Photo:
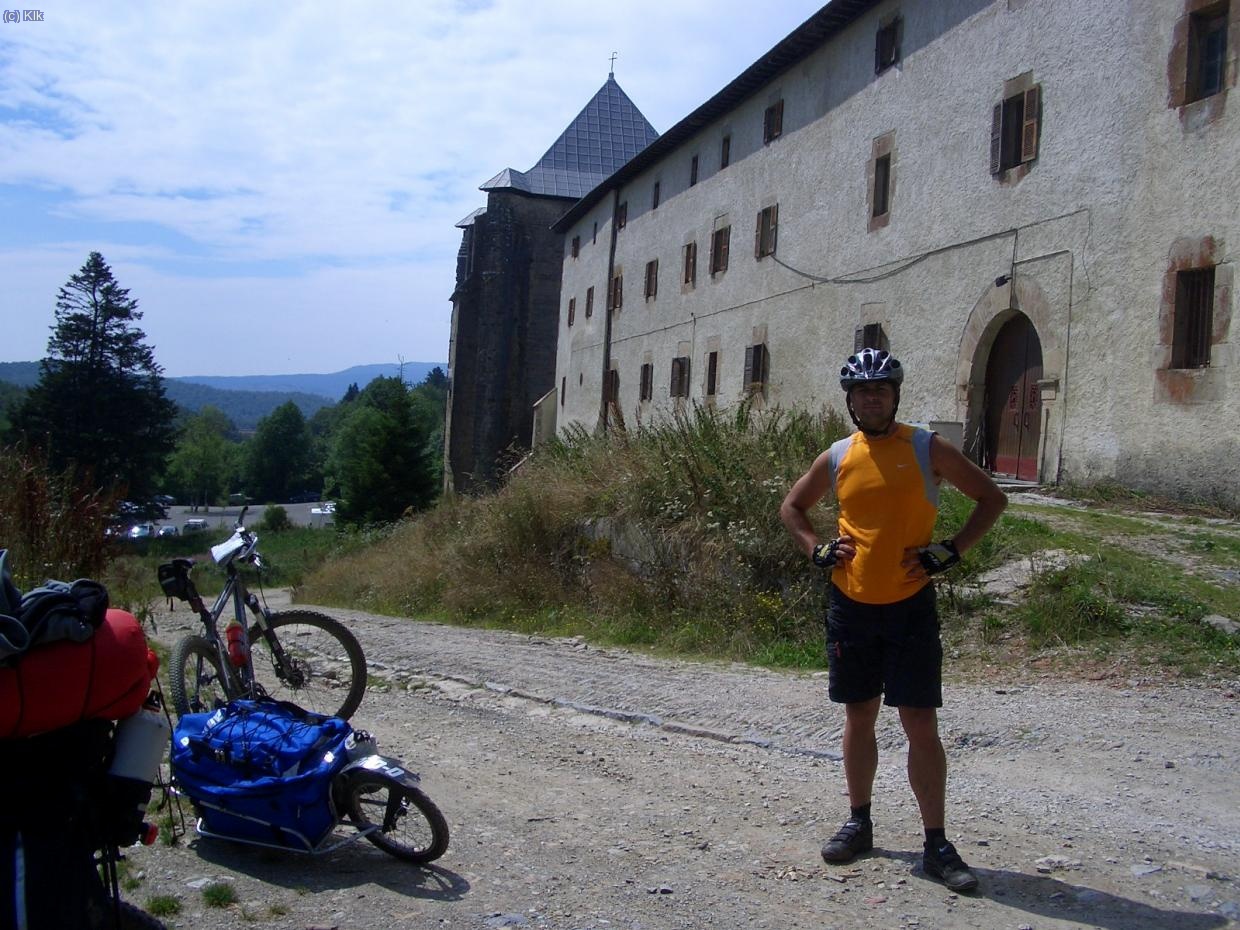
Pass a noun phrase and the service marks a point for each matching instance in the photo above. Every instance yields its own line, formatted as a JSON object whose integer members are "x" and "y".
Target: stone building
{"x": 504, "y": 310}
{"x": 1030, "y": 202}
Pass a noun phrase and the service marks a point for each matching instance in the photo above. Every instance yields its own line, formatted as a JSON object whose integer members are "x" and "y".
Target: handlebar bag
{"x": 261, "y": 771}
{"x": 61, "y": 682}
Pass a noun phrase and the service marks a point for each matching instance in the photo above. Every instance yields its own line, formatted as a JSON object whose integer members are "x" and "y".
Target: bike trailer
{"x": 261, "y": 772}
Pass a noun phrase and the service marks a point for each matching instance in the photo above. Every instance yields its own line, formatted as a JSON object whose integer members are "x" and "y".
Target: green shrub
{"x": 275, "y": 520}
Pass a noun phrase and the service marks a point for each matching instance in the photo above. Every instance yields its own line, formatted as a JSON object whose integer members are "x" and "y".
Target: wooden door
{"x": 1014, "y": 406}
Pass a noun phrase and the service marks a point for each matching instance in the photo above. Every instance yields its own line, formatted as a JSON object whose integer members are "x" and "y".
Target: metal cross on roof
{"x": 612, "y": 70}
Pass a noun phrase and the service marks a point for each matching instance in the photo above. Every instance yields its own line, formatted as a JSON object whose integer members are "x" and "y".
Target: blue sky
{"x": 277, "y": 184}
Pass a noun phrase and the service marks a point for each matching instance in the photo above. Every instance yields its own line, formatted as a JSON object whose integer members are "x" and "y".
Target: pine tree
{"x": 99, "y": 405}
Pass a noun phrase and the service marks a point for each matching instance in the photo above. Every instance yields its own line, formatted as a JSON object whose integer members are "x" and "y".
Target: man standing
{"x": 882, "y": 623}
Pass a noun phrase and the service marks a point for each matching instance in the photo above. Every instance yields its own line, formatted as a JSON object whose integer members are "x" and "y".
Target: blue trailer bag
{"x": 261, "y": 771}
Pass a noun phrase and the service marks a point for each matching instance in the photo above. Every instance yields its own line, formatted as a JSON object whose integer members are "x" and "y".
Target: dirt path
{"x": 592, "y": 788}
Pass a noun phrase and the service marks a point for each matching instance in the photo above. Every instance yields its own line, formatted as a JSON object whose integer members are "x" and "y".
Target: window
{"x": 725, "y": 152}
{"x": 887, "y": 45}
{"x": 1194, "y": 318}
{"x": 652, "y": 279}
{"x": 757, "y": 367}
{"x": 693, "y": 170}
{"x": 615, "y": 299}
{"x": 1014, "y": 130}
{"x": 622, "y": 215}
{"x": 712, "y": 374}
{"x": 870, "y": 336}
{"x": 764, "y": 236}
{"x": 594, "y": 238}
{"x": 589, "y": 302}
{"x": 647, "y": 382}
{"x": 563, "y": 389}
{"x": 1207, "y": 52}
{"x": 690, "y": 274}
{"x": 680, "y": 376}
{"x": 719, "y": 250}
{"x": 882, "y": 185}
{"x": 654, "y": 195}
{"x": 572, "y": 310}
{"x": 576, "y": 246}
{"x": 773, "y": 122}
{"x": 612, "y": 386}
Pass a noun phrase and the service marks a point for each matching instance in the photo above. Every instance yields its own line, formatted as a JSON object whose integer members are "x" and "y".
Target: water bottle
{"x": 140, "y": 743}
{"x": 238, "y": 653}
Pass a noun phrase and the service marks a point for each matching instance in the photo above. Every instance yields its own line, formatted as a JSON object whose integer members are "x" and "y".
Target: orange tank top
{"x": 888, "y": 501}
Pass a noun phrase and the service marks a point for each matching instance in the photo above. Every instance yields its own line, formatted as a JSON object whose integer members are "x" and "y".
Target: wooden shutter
{"x": 725, "y": 235}
{"x": 1033, "y": 120}
{"x": 725, "y": 152}
{"x": 645, "y": 382}
{"x": 749, "y": 359}
{"x": 576, "y": 245}
{"x": 757, "y": 235}
{"x": 563, "y": 389}
{"x": 674, "y": 388}
{"x": 773, "y": 233}
{"x": 996, "y": 139}
{"x": 760, "y": 364}
{"x": 589, "y": 302}
{"x": 572, "y": 310}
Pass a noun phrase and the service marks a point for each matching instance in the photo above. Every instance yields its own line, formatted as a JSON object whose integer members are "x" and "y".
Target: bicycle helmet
{"x": 866, "y": 367}
{"x": 871, "y": 365}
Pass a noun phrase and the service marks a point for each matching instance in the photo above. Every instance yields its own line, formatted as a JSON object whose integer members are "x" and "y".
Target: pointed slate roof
{"x": 605, "y": 135}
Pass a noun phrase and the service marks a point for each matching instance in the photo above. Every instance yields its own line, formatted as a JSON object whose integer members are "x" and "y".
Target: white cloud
{"x": 311, "y": 132}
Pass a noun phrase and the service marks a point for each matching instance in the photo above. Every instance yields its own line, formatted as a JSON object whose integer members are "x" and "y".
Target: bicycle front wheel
{"x": 406, "y": 823}
{"x": 195, "y": 680}
{"x": 324, "y": 672}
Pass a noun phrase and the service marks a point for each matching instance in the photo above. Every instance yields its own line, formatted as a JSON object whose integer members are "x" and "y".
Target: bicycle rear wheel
{"x": 194, "y": 676}
{"x": 326, "y": 672}
{"x": 407, "y": 823}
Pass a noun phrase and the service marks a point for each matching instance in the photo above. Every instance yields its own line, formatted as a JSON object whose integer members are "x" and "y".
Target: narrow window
{"x": 647, "y": 383}
{"x": 887, "y": 46}
{"x": 690, "y": 275}
{"x": 594, "y": 238}
{"x": 757, "y": 365}
{"x": 764, "y": 236}
{"x": 712, "y": 374}
{"x": 613, "y": 386}
{"x": 622, "y": 215}
{"x": 576, "y": 246}
{"x": 654, "y": 195}
{"x": 882, "y": 185}
{"x": 1015, "y": 130}
{"x": 652, "y": 279}
{"x": 725, "y": 152}
{"x": 572, "y": 310}
{"x": 680, "y": 376}
{"x": 589, "y": 302}
{"x": 693, "y": 170}
{"x": 616, "y": 297}
{"x": 870, "y": 336}
{"x": 563, "y": 389}
{"x": 1207, "y": 51}
{"x": 773, "y": 122}
{"x": 719, "y": 250}
{"x": 1194, "y": 318}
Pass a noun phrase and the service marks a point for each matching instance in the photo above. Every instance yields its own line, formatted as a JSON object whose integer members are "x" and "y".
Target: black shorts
{"x": 888, "y": 649}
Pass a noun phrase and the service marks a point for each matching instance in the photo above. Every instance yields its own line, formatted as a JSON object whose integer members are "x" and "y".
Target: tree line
{"x": 100, "y": 413}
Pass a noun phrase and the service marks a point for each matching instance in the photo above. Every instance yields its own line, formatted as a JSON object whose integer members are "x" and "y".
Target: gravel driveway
{"x": 596, "y": 788}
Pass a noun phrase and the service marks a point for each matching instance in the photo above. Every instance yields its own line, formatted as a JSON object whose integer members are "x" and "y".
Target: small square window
{"x": 652, "y": 279}
{"x": 693, "y": 170}
{"x": 887, "y": 45}
{"x": 690, "y": 270}
{"x": 680, "y": 376}
{"x": 725, "y": 152}
{"x": 654, "y": 195}
{"x": 882, "y": 185}
{"x": 589, "y": 302}
{"x": 1015, "y": 130}
{"x": 764, "y": 237}
{"x": 1207, "y": 52}
{"x": 576, "y": 250}
{"x": 622, "y": 215}
{"x": 773, "y": 122}
{"x": 719, "y": 250}
{"x": 1194, "y": 318}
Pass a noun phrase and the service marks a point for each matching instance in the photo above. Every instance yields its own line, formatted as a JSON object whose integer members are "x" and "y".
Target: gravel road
{"x": 594, "y": 788}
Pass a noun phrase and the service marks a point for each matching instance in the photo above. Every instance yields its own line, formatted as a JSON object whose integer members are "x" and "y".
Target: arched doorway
{"x": 1013, "y": 403}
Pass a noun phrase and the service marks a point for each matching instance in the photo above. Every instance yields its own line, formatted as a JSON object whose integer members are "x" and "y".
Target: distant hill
{"x": 247, "y": 399}
{"x": 331, "y": 386}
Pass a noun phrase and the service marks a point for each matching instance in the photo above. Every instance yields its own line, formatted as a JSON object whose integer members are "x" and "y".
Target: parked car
{"x": 167, "y": 530}
{"x": 194, "y": 525}
{"x": 165, "y": 500}
{"x": 142, "y": 531}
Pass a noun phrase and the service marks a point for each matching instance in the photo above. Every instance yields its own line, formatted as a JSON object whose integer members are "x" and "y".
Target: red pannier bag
{"x": 106, "y": 677}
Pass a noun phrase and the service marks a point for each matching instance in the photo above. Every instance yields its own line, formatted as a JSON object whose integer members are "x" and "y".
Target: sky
{"x": 278, "y": 184}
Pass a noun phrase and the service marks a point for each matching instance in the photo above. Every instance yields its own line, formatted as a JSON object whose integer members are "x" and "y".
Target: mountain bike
{"x": 301, "y": 656}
